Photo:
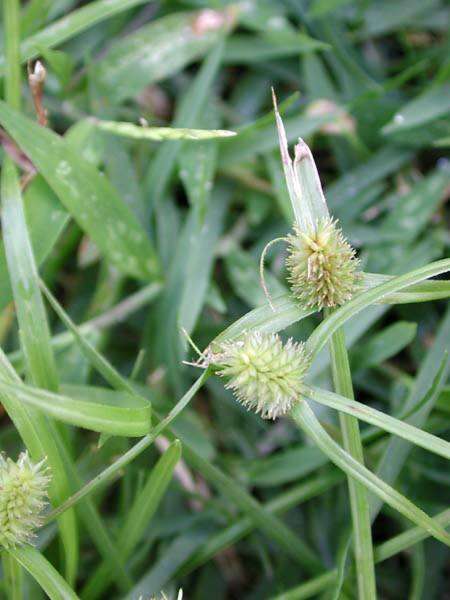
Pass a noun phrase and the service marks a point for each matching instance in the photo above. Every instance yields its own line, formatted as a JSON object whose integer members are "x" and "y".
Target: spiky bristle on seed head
{"x": 265, "y": 375}
{"x": 322, "y": 266}
{"x": 23, "y": 495}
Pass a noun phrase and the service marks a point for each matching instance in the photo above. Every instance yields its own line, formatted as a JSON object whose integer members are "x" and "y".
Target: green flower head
{"x": 322, "y": 266}
{"x": 265, "y": 375}
{"x": 23, "y": 495}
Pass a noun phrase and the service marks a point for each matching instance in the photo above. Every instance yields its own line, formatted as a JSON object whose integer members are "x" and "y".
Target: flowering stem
{"x": 360, "y": 509}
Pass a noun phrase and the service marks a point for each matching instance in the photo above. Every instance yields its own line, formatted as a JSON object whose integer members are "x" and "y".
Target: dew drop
{"x": 63, "y": 169}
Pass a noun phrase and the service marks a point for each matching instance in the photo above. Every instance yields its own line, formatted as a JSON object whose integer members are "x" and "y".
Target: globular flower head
{"x": 322, "y": 266}
{"x": 265, "y": 375}
{"x": 23, "y": 494}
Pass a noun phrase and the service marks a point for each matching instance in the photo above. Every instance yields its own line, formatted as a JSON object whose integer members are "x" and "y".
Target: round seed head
{"x": 323, "y": 268}
{"x": 265, "y": 375}
{"x": 23, "y": 494}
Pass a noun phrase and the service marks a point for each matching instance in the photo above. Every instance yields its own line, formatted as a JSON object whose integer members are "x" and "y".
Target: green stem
{"x": 385, "y": 422}
{"x": 13, "y": 575}
{"x": 360, "y": 509}
{"x": 11, "y": 20}
{"x": 321, "y": 334}
{"x": 307, "y": 421}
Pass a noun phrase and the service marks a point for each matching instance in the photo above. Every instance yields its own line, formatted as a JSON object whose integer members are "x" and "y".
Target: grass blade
{"x": 159, "y": 134}
{"x": 360, "y": 507}
{"x": 71, "y": 25}
{"x": 45, "y": 574}
{"x": 35, "y": 342}
{"x": 12, "y": 576}
{"x": 34, "y": 330}
{"x": 305, "y": 418}
{"x": 149, "y": 54}
{"x": 370, "y": 415}
{"x": 94, "y": 409}
{"x": 87, "y": 195}
{"x": 326, "y": 329}
{"x": 138, "y": 518}
{"x": 116, "y": 468}
{"x": 268, "y": 523}
{"x": 110, "y": 374}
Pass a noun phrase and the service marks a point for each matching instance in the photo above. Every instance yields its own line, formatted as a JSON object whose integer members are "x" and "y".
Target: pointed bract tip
{"x": 302, "y": 150}
{"x": 274, "y": 100}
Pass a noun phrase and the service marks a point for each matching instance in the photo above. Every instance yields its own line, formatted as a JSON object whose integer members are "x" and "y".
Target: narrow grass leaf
{"x": 111, "y": 375}
{"x": 305, "y": 418}
{"x": 359, "y": 504}
{"x": 430, "y": 381}
{"x": 88, "y": 196}
{"x": 325, "y": 330}
{"x": 187, "y": 114}
{"x": 159, "y": 134}
{"x": 43, "y": 572}
{"x": 71, "y": 25}
{"x": 436, "y": 289}
{"x": 431, "y": 105}
{"x": 266, "y": 522}
{"x": 187, "y": 283}
{"x": 39, "y": 203}
{"x": 243, "y": 49}
{"x": 375, "y": 417}
{"x": 34, "y": 330}
{"x": 158, "y": 50}
{"x": 138, "y": 517}
{"x": 35, "y": 343}
{"x": 106, "y": 412}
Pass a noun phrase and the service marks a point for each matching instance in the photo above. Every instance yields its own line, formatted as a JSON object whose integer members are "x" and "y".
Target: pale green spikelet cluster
{"x": 23, "y": 495}
{"x": 323, "y": 269}
{"x": 265, "y": 375}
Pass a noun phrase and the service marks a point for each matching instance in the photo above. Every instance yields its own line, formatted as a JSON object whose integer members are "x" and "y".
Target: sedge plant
{"x": 137, "y": 481}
